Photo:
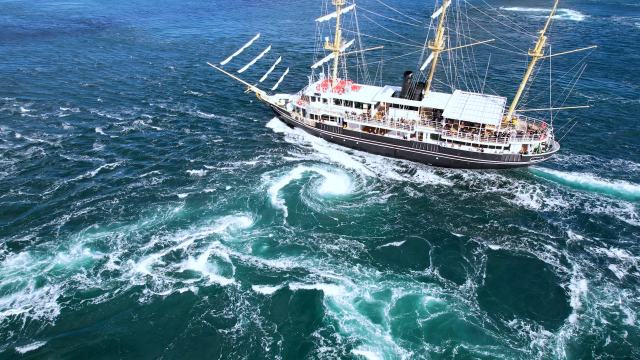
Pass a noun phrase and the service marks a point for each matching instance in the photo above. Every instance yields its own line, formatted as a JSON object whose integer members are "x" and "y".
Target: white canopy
{"x": 474, "y": 107}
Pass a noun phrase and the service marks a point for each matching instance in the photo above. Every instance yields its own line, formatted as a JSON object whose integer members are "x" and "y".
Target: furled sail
{"x": 255, "y": 60}
{"x": 427, "y": 62}
{"x": 243, "y": 48}
{"x": 332, "y": 55}
{"x": 264, "y": 77}
{"x": 346, "y": 46}
{"x": 335, "y": 14}
{"x": 280, "y": 80}
{"x": 440, "y": 10}
{"x": 324, "y": 60}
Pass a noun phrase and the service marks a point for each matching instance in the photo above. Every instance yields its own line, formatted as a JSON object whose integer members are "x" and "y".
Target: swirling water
{"x": 151, "y": 209}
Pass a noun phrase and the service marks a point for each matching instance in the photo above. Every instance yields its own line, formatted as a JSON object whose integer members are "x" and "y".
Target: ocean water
{"x": 151, "y": 209}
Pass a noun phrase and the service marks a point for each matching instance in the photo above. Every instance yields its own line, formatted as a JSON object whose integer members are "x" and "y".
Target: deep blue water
{"x": 151, "y": 209}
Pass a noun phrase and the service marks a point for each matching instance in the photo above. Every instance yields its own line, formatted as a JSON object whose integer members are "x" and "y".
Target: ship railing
{"x": 504, "y": 138}
{"x": 467, "y": 137}
{"x": 383, "y": 122}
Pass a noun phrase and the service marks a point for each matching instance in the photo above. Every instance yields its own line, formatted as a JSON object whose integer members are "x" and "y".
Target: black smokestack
{"x": 406, "y": 84}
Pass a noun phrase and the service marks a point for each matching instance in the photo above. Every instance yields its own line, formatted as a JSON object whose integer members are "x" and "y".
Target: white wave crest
{"x": 367, "y": 354}
{"x": 396, "y": 244}
{"x": 202, "y": 265}
{"x": 590, "y": 182}
{"x": 327, "y": 289}
{"x": 197, "y": 173}
{"x": 30, "y": 347}
{"x": 265, "y": 289}
{"x": 561, "y": 14}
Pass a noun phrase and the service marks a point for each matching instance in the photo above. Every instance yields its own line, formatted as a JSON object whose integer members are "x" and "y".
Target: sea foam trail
{"x": 561, "y": 14}
{"x": 589, "y": 182}
{"x": 365, "y": 164}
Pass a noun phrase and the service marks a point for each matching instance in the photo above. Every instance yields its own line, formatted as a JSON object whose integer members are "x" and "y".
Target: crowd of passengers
{"x": 459, "y": 128}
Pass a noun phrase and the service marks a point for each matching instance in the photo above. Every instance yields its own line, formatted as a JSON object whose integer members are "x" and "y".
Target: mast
{"x": 437, "y": 45}
{"x": 337, "y": 42}
{"x": 536, "y": 53}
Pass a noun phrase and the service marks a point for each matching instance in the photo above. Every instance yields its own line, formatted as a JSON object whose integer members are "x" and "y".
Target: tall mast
{"x": 536, "y": 53}
{"x": 437, "y": 45}
{"x": 337, "y": 41}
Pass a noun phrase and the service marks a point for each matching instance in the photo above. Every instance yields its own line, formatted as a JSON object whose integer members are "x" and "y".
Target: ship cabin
{"x": 462, "y": 120}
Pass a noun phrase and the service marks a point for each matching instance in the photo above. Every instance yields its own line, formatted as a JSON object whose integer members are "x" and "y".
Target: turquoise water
{"x": 151, "y": 209}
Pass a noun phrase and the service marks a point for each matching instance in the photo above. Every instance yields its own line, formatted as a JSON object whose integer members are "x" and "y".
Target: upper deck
{"x": 461, "y": 105}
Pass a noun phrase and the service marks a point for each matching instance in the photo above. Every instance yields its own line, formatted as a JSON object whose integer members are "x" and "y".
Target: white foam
{"x": 578, "y": 288}
{"x": 369, "y": 355}
{"x": 195, "y": 93}
{"x": 197, "y": 173}
{"x": 332, "y": 290}
{"x": 201, "y": 264}
{"x": 616, "y": 271}
{"x": 396, "y": 244}
{"x": 322, "y": 148}
{"x": 364, "y": 164}
{"x": 561, "y": 14}
{"x": 30, "y": 347}
{"x": 265, "y": 289}
{"x": 99, "y": 130}
{"x": 109, "y": 166}
{"x": 187, "y": 238}
{"x": 429, "y": 177}
{"x": 630, "y": 316}
{"x": 233, "y": 223}
{"x": 205, "y": 115}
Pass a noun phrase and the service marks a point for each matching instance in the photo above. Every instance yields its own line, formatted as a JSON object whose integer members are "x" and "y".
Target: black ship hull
{"x": 431, "y": 154}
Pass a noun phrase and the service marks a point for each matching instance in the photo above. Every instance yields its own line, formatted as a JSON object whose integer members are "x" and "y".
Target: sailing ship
{"x": 457, "y": 129}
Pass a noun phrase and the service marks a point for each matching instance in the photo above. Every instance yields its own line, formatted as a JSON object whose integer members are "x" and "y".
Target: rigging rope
{"x": 419, "y": 25}
{"x": 399, "y": 12}
{"x": 391, "y": 31}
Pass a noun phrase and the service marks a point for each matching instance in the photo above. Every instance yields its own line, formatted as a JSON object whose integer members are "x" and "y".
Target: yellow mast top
{"x": 437, "y": 45}
{"x": 337, "y": 42}
{"x": 536, "y": 53}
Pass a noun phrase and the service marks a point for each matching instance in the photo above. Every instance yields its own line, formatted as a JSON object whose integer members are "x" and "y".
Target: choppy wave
{"x": 561, "y": 14}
